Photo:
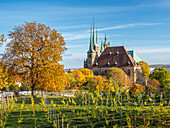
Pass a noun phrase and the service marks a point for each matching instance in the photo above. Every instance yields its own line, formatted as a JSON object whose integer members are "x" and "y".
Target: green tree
{"x": 35, "y": 51}
{"x": 145, "y": 68}
{"x": 163, "y": 76}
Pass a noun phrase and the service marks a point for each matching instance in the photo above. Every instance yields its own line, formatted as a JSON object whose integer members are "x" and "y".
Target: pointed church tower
{"x": 102, "y": 47}
{"x": 91, "y": 54}
{"x": 105, "y": 42}
{"x": 95, "y": 40}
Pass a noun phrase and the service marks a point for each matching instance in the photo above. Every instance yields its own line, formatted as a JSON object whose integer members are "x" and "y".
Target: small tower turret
{"x": 105, "y": 42}
{"x": 102, "y": 47}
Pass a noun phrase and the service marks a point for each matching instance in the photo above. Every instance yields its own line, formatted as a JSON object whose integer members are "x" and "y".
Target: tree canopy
{"x": 87, "y": 73}
{"x": 79, "y": 77}
{"x": 35, "y": 51}
{"x": 2, "y": 74}
{"x": 119, "y": 76}
{"x": 145, "y": 68}
{"x": 163, "y": 76}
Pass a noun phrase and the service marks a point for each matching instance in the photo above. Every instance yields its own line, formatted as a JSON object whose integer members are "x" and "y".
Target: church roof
{"x": 135, "y": 56}
{"x": 116, "y": 56}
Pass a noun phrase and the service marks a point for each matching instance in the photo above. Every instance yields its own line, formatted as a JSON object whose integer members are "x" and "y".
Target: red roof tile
{"x": 113, "y": 55}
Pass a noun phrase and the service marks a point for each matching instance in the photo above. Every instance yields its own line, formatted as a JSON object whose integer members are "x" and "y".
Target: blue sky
{"x": 142, "y": 25}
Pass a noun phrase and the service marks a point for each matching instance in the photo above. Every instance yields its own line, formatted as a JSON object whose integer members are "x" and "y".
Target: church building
{"x": 107, "y": 57}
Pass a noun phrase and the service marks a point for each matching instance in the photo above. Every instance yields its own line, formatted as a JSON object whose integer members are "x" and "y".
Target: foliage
{"x": 34, "y": 52}
{"x": 88, "y": 110}
{"x": 163, "y": 76}
{"x": 71, "y": 81}
{"x": 7, "y": 77}
{"x": 87, "y": 72}
{"x": 2, "y": 39}
{"x": 154, "y": 86}
{"x": 79, "y": 77}
{"x": 119, "y": 76}
{"x": 99, "y": 81}
{"x": 54, "y": 78}
{"x": 136, "y": 88}
{"x": 13, "y": 87}
{"x": 145, "y": 68}
{"x": 2, "y": 74}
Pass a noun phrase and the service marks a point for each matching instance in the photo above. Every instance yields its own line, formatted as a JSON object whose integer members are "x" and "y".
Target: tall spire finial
{"x": 91, "y": 42}
{"x": 96, "y": 38}
{"x": 102, "y": 47}
{"x": 105, "y": 40}
{"x": 105, "y": 37}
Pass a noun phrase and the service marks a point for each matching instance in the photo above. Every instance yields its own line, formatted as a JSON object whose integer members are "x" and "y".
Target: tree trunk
{"x": 33, "y": 91}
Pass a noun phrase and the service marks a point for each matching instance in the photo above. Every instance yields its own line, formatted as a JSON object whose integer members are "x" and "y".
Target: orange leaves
{"x": 79, "y": 77}
{"x": 36, "y": 50}
{"x": 2, "y": 39}
{"x": 154, "y": 86}
{"x": 119, "y": 76}
{"x": 99, "y": 81}
{"x": 136, "y": 88}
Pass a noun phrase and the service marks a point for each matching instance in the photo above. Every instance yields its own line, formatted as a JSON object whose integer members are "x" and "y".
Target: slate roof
{"x": 115, "y": 57}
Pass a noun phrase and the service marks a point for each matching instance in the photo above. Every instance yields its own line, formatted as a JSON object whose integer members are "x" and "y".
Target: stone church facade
{"x": 107, "y": 57}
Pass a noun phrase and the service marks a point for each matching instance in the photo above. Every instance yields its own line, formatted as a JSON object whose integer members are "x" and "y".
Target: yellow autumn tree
{"x": 118, "y": 76}
{"x": 136, "y": 88}
{"x": 79, "y": 77}
{"x": 71, "y": 82}
{"x": 2, "y": 75}
{"x": 35, "y": 51}
{"x": 99, "y": 81}
{"x": 2, "y": 65}
{"x": 87, "y": 73}
{"x": 145, "y": 68}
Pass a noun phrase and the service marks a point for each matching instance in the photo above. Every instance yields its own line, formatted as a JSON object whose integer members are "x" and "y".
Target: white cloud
{"x": 153, "y": 50}
{"x": 127, "y": 26}
{"x": 85, "y": 34}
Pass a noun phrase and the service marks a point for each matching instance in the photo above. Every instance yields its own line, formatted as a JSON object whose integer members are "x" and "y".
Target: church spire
{"x": 96, "y": 38}
{"x": 105, "y": 40}
{"x": 102, "y": 47}
{"x": 91, "y": 42}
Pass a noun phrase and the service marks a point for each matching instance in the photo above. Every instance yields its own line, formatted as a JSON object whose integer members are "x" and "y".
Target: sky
{"x": 141, "y": 25}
